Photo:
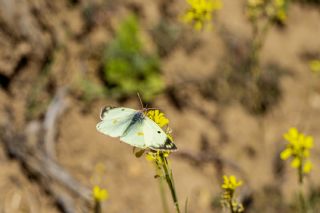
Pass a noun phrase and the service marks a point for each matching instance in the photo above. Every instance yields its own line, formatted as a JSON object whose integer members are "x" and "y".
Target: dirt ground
{"x": 47, "y": 45}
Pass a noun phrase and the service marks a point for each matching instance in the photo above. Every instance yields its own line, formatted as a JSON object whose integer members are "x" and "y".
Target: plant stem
{"x": 231, "y": 207}
{"x": 302, "y": 201}
{"x": 162, "y": 191}
{"x": 170, "y": 182}
{"x": 97, "y": 206}
{"x": 230, "y": 201}
{"x": 300, "y": 175}
{"x": 259, "y": 35}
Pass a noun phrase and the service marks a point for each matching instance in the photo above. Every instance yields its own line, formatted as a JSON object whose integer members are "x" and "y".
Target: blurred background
{"x": 231, "y": 85}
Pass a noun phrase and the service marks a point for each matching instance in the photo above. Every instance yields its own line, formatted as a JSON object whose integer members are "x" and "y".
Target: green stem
{"x": 300, "y": 175}
{"x": 97, "y": 207}
{"x": 230, "y": 201}
{"x": 162, "y": 191}
{"x": 259, "y": 35}
{"x": 231, "y": 207}
{"x": 170, "y": 182}
{"x": 302, "y": 201}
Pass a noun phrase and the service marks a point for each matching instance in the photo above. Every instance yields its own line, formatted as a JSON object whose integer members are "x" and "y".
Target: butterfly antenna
{"x": 140, "y": 100}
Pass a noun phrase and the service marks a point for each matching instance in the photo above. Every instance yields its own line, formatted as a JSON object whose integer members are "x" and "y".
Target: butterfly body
{"x": 133, "y": 127}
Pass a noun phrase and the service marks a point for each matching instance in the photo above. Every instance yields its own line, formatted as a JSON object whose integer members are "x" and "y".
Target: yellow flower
{"x": 298, "y": 148}
{"x": 154, "y": 156}
{"x": 150, "y": 156}
{"x": 275, "y": 9}
{"x": 158, "y": 117}
{"x": 200, "y": 12}
{"x": 285, "y": 154}
{"x": 296, "y": 162}
{"x": 230, "y": 184}
{"x": 281, "y": 7}
{"x": 314, "y": 66}
{"x": 99, "y": 194}
{"x": 307, "y": 167}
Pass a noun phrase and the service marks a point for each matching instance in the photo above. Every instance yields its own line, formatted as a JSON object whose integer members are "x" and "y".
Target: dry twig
{"x": 23, "y": 146}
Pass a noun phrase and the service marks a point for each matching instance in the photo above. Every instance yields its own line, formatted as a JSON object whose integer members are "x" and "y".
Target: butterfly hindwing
{"x": 155, "y": 137}
{"x": 115, "y": 121}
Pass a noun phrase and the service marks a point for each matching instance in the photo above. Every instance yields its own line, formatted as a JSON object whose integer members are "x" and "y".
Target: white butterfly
{"x": 134, "y": 128}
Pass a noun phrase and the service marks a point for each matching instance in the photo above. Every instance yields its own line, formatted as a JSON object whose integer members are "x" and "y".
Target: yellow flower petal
{"x": 306, "y": 153}
{"x": 296, "y": 162}
{"x": 99, "y": 194}
{"x": 308, "y": 142}
{"x": 293, "y": 132}
{"x": 158, "y": 117}
{"x": 314, "y": 66}
{"x": 150, "y": 157}
{"x": 285, "y": 154}
{"x": 200, "y": 12}
{"x": 230, "y": 182}
{"x": 307, "y": 167}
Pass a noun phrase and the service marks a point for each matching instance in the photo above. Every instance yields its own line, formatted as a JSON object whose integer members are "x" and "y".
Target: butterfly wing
{"x": 115, "y": 120}
{"x": 134, "y": 135}
{"x": 118, "y": 122}
{"x": 155, "y": 137}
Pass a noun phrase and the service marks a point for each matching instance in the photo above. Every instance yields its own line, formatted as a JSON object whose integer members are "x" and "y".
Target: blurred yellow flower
{"x": 229, "y": 185}
{"x": 155, "y": 156}
{"x": 280, "y": 7}
{"x": 230, "y": 182}
{"x": 307, "y": 166}
{"x": 200, "y": 12}
{"x": 274, "y": 9}
{"x": 99, "y": 194}
{"x": 314, "y": 66}
{"x": 298, "y": 149}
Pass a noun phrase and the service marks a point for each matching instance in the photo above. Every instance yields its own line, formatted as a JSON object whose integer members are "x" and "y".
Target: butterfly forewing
{"x": 115, "y": 121}
{"x": 134, "y": 135}
{"x": 155, "y": 137}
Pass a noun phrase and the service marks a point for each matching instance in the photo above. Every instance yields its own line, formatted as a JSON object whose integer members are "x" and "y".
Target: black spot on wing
{"x": 167, "y": 146}
{"x": 105, "y": 110}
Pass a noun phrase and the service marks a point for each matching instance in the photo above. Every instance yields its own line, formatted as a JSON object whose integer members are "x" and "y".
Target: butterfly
{"x": 134, "y": 128}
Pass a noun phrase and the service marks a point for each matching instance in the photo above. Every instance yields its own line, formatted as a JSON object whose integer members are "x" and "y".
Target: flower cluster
{"x": 158, "y": 117}
{"x": 314, "y": 66}
{"x": 273, "y": 10}
{"x": 200, "y": 12}
{"x": 230, "y": 184}
{"x": 158, "y": 158}
{"x": 298, "y": 148}
{"x": 154, "y": 156}
{"x": 255, "y": 8}
{"x": 279, "y": 10}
